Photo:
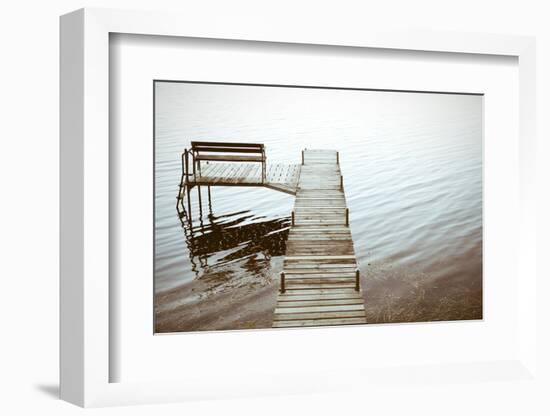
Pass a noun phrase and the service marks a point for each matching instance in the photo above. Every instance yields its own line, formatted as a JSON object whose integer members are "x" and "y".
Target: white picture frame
{"x": 84, "y": 343}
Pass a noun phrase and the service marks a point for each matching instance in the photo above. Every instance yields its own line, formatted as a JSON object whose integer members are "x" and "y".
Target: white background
{"x": 29, "y": 209}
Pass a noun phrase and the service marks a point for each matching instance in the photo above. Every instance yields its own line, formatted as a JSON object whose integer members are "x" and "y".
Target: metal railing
{"x": 185, "y": 172}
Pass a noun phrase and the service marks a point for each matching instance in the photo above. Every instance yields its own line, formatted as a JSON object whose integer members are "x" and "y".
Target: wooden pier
{"x": 213, "y": 164}
{"x": 279, "y": 176}
{"x": 320, "y": 281}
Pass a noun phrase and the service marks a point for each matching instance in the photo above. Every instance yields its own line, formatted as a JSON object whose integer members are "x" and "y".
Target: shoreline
{"x": 222, "y": 301}
{"x": 240, "y": 303}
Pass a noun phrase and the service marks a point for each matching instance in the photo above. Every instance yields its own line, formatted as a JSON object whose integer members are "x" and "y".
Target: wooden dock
{"x": 279, "y": 176}
{"x": 320, "y": 278}
{"x": 320, "y": 281}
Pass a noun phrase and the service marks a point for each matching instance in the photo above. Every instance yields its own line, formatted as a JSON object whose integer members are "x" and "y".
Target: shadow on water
{"x": 233, "y": 257}
{"x": 217, "y": 244}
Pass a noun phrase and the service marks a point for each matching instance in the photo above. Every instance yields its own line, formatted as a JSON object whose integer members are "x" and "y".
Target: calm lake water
{"x": 412, "y": 167}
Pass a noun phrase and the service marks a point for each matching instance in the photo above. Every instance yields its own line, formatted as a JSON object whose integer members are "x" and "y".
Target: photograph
{"x": 283, "y": 206}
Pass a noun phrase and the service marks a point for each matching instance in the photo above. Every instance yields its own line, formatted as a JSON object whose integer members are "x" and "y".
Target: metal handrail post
{"x": 186, "y": 166}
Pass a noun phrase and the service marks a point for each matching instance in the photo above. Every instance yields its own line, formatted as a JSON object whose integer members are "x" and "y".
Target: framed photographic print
{"x": 327, "y": 186}
{"x": 271, "y": 211}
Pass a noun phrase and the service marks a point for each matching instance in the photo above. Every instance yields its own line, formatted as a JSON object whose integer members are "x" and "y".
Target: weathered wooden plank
{"x": 292, "y": 291}
{"x": 320, "y": 278}
{"x": 286, "y": 265}
{"x": 226, "y": 167}
{"x": 308, "y": 278}
{"x": 334, "y": 213}
{"x": 319, "y": 210}
{"x": 344, "y": 242}
{"x": 316, "y": 268}
{"x": 209, "y": 169}
{"x": 318, "y": 297}
{"x": 340, "y": 294}
{"x": 319, "y": 322}
{"x": 304, "y": 266}
{"x": 239, "y": 174}
{"x": 326, "y": 210}
{"x": 327, "y": 308}
{"x": 320, "y": 233}
{"x": 295, "y": 251}
{"x": 314, "y": 282}
{"x": 318, "y": 192}
{"x": 320, "y": 219}
{"x": 319, "y": 315}
{"x": 303, "y": 260}
{"x": 320, "y": 272}
{"x": 320, "y": 204}
{"x": 320, "y": 251}
{"x": 313, "y": 240}
{"x": 307, "y": 199}
{"x": 321, "y": 222}
{"x": 319, "y": 237}
{"x": 340, "y": 239}
{"x": 324, "y": 285}
{"x": 320, "y": 284}
{"x": 303, "y": 233}
{"x": 303, "y": 229}
{"x": 289, "y": 275}
{"x": 296, "y": 258}
{"x": 330, "y": 242}
{"x": 320, "y": 302}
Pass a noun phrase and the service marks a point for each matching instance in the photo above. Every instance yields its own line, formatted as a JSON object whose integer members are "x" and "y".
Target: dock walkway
{"x": 320, "y": 278}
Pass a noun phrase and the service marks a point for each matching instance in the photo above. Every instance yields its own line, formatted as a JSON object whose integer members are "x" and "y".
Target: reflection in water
{"x": 213, "y": 242}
